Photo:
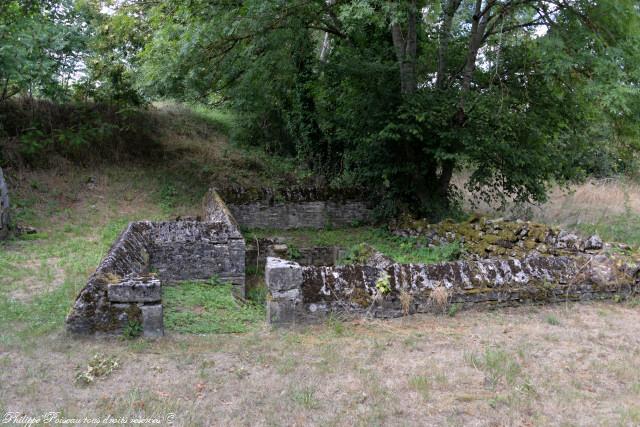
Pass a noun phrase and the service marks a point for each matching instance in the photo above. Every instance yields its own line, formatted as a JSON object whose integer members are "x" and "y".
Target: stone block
{"x": 135, "y": 289}
{"x": 281, "y": 312}
{"x": 281, "y": 275}
{"x": 593, "y": 243}
{"x": 120, "y": 316}
{"x": 152, "y": 324}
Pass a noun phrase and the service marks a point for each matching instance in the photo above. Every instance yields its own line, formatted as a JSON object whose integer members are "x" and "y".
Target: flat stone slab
{"x": 135, "y": 289}
{"x": 152, "y": 324}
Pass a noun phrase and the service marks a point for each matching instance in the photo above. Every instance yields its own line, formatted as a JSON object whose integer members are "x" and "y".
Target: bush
{"x": 33, "y": 132}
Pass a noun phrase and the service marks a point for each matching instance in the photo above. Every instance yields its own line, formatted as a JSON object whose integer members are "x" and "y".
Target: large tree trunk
{"x": 326, "y": 41}
{"x": 449, "y": 9}
{"x": 479, "y": 24}
{"x": 405, "y": 45}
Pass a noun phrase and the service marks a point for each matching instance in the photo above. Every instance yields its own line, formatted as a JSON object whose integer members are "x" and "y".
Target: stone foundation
{"x": 127, "y": 285}
{"x": 300, "y": 294}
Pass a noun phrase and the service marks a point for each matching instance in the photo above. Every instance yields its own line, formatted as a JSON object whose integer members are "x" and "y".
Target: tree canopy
{"x": 393, "y": 96}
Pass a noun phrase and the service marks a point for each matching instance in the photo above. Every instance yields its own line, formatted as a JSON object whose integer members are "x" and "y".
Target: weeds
{"x": 132, "y": 330}
{"x": 439, "y": 298}
{"x": 422, "y": 385}
{"x": 405, "y": 301}
{"x": 209, "y": 307}
{"x": 497, "y": 365}
{"x": 305, "y": 397}
{"x": 336, "y": 325}
{"x": 99, "y": 366}
{"x": 454, "y": 309}
{"x": 552, "y": 320}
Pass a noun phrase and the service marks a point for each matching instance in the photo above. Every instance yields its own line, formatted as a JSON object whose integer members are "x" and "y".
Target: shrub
{"x": 34, "y": 131}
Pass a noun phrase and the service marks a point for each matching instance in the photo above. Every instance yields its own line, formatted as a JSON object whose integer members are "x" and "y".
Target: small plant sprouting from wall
{"x": 382, "y": 284}
{"x": 132, "y": 330}
{"x": 293, "y": 252}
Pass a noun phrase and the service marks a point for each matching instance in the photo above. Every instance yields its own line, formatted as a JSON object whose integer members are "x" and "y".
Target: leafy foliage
{"x": 504, "y": 89}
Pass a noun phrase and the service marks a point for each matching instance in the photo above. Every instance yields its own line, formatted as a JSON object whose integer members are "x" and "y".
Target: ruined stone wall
{"x": 257, "y": 252}
{"x": 4, "y": 207}
{"x": 126, "y": 262}
{"x": 300, "y": 294}
{"x": 127, "y": 285}
{"x": 297, "y": 208}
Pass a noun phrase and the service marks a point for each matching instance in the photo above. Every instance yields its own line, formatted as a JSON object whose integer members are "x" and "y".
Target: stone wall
{"x": 194, "y": 250}
{"x": 301, "y": 294}
{"x": 127, "y": 285}
{"x": 297, "y": 208}
{"x": 4, "y": 208}
{"x": 258, "y": 250}
{"x": 126, "y": 265}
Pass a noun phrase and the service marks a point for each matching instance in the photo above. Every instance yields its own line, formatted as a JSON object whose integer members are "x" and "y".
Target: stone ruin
{"x": 298, "y": 207}
{"x": 508, "y": 263}
{"x": 505, "y": 267}
{"x": 127, "y": 285}
{"x": 4, "y": 208}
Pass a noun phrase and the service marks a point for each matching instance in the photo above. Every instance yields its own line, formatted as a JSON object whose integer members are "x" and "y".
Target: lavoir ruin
{"x": 508, "y": 263}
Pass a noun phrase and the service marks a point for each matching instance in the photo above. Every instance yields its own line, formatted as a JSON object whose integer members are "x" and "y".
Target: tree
{"x": 40, "y": 47}
{"x": 397, "y": 95}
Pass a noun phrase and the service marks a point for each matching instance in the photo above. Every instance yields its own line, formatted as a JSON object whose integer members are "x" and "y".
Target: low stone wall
{"x": 4, "y": 208}
{"x": 194, "y": 250}
{"x": 258, "y": 250}
{"x": 297, "y": 208}
{"x": 300, "y": 294}
{"x": 127, "y": 285}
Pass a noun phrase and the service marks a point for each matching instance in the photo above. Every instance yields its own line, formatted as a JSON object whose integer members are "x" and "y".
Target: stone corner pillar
{"x": 284, "y": 280}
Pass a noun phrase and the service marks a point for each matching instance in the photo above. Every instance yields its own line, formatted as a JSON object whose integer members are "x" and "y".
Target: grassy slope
{"x": 535, "y": 366}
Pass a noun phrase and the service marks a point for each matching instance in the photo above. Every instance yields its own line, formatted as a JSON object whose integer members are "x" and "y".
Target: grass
{"x": 404, "y": 250}
{"x": 552, "y": 320}
{"x": 623, "y": 228}
{"x": 205, "y": 308}
{"x": 305, "y": 397}
{"x": 497, "y": 364}
{"x": 422, "y": 385}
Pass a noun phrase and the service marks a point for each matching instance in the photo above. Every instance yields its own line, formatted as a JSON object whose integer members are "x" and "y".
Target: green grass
{"x": 66, "y": 257}
{"x": 305, "y": 397}
{"x": 497, "y": 365}
{"x": 404, "y": 250}
{"x": 553, "y": 320}
{"x": 208, "y": 307}
{"x": 421, "y": 384}
{"x": 620, "y": 228}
